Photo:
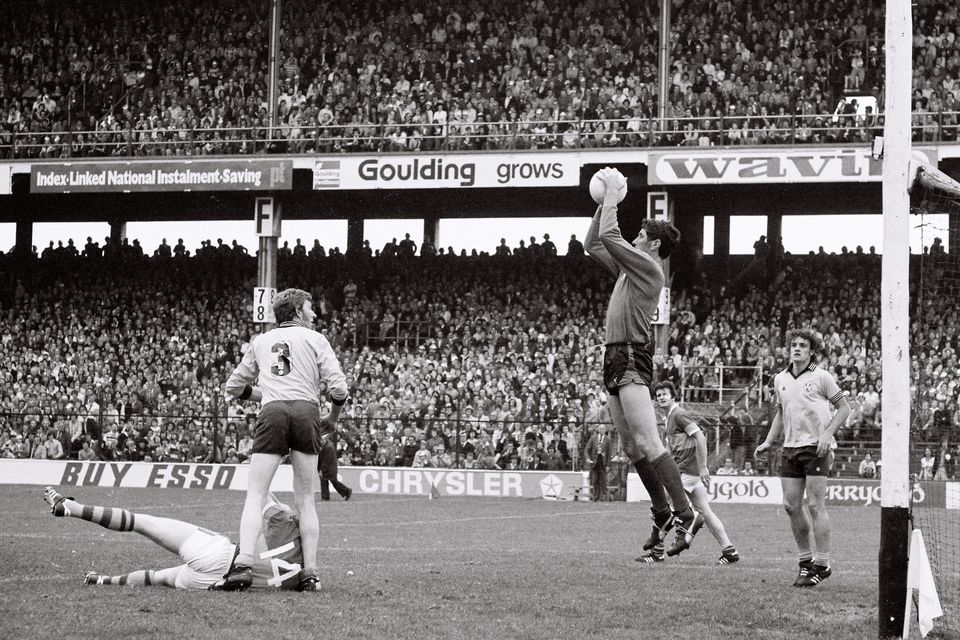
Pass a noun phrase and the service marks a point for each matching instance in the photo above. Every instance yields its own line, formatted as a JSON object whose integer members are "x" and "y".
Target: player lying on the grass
{"x": 688, "y": 445}
{"x": 207, "y": 556}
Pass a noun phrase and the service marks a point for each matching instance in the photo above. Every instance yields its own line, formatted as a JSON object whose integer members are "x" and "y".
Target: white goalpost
{"x": 895, "y": 321}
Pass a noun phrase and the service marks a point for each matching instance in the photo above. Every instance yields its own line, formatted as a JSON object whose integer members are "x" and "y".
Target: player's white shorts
{"x": 207, "y": 556}
{"x": 690, "y": 482}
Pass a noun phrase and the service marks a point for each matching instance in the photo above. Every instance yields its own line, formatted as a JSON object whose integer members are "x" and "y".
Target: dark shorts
{"x": 288, "y": 424}
{"x": 624, "y": 363}
{"x": 800, "y": 462}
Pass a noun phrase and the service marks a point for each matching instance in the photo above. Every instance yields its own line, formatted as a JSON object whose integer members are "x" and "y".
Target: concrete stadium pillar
{"x": 721, "y": 244}
{"x": 774, "y": 226}
{"x": 24, "y": 238}
{"x": 953, "y": 236}
{"x": 118, "y": 231}
{"x": 431, "y": 229}
{"x": 354, "y": 234}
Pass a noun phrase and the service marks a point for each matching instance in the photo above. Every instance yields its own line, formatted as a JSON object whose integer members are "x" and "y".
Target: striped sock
{"x": 133, "y": 579}
{"x": 805, "y": 555}
{"x": 108, "y": 517}
{"x": 822, "y": 560}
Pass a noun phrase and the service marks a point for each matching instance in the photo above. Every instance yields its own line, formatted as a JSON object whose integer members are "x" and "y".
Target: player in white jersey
{"x": 287, "y": 364}
{"x": 206, "y": 555}
{"x": 805, "y": 395}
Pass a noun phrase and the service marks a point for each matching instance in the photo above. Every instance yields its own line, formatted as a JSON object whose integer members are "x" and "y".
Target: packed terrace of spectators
{"x": 80, "y": 78}
{"x": 123, "y": 356}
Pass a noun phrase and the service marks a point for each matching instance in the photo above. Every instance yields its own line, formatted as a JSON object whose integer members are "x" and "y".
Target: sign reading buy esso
{"x": 448, "y": 171}
{"x": 797, "y": 164}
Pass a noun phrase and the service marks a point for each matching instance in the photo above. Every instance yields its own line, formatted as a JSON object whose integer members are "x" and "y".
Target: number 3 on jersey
{"x": 281, "y": 364}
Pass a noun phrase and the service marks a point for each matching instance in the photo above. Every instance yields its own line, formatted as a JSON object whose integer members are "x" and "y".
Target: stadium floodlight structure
{"x": 895, "y": 321}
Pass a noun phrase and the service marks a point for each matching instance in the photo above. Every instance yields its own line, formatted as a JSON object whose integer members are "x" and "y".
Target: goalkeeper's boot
{"x": 309, "y": 581}
{"x": 816, "y": 575}
{"x": 687, "y": 523}
{"x": 806, "y": 566}
{"x": 662, "y": 523}
{"x": 239, "y": 578}
{"x": 55, "y": 500}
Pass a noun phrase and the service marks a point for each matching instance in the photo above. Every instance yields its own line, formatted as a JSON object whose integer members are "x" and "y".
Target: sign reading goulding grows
{"x": 448, "y": 171}
{"x": 184, "y": 175}
{"x": 760, "y": 166}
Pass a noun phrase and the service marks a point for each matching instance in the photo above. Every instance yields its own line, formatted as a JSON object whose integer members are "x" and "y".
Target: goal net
{"x": 935, "y": 373}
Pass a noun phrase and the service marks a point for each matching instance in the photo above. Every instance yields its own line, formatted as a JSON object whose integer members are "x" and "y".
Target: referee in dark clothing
{"x": 327, "y": 466}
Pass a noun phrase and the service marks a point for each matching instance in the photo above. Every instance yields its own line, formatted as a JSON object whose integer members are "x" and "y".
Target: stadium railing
{"x": 635, "y": 132}
{"x": 720, "y": 383}
{"x": 406, "y": 333}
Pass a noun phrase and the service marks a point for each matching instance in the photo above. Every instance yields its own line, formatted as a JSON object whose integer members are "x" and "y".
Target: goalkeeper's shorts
{"x": 625, "y": 363}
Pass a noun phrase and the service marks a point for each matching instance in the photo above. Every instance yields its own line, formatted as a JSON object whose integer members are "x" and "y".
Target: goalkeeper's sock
{"x": 651, "y": 482}
{"x": 108, "y": 517}
{"x": 669, "y": 475}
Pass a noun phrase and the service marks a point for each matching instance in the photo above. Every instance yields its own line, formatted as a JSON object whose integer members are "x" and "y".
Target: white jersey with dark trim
{"x": 290, "y": 361}
{"x": 805, "y": 401}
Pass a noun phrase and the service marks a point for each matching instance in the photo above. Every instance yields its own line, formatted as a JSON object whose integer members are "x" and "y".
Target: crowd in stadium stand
{"x": 190, "y": 78}
{"x": 488, "y": 364}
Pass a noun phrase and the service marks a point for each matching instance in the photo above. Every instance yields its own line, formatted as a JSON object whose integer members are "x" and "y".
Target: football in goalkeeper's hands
{"x": 598, "y": 189}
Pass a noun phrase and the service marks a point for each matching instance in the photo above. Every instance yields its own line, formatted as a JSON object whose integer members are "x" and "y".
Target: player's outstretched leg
{"x": 701, "y": 502}
{"x": 142, "y": 578}
{"x": 108, "y": 517}
{"x": 169, "y": 534}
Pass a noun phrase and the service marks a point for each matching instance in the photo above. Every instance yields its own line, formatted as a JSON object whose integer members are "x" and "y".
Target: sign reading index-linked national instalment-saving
{"x": 167, "y": 175}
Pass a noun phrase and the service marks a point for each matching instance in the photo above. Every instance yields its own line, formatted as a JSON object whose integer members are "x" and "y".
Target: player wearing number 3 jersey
{"x": 206, "y": 555}
{"x": 283, "y": 370}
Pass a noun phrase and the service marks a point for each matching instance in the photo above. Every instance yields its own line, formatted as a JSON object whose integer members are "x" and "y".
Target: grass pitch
{"x": 448, "y": 568}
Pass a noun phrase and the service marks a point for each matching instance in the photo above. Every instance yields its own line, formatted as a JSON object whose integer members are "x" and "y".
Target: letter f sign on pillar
{"x": 658, "y": 206}
{"x": 268, "y": 224}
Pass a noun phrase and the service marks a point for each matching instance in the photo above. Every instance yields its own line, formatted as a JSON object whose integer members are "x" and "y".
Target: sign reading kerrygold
{"x": 168, "y": 175}
{"x": 759, "y": 166}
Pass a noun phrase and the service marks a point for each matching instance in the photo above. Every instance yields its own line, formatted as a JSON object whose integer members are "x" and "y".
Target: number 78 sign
{"x": 263, "y": 304}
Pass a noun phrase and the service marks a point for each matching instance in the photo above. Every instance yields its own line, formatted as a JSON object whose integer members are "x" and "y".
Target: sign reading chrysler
{"x": 448, "y": 171}
{"x": 759, "y": 166}
{"x": 168, "y": 175}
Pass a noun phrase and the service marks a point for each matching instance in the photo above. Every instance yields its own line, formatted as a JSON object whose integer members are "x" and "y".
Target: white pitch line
{"x": 470, "y": 519}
